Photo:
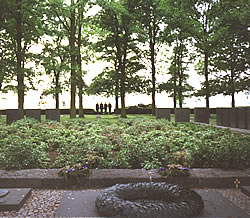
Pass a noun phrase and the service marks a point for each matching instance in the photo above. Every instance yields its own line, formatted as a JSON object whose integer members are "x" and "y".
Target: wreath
{"x": 149, "y": 200}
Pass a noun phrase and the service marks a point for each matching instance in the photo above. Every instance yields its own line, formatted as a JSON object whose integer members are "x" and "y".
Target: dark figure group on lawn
{"x": 103, "y": 108}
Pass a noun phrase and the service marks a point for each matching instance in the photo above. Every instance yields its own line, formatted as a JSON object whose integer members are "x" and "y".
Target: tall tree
{"x": 70, "y": 17}
{"x": 201, "y": 22}
{"x": 118, "y": 24}
{"x": 230, "y": 61}
{"x": 22, "y": 28}
{"x": 150, "y": 17}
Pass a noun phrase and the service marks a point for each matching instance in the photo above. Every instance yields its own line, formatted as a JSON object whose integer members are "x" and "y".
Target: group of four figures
{"x": 103, "y": 108}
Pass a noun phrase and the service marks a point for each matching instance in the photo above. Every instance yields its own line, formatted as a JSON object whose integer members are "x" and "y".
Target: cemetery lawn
{"x": 137, "y": 142}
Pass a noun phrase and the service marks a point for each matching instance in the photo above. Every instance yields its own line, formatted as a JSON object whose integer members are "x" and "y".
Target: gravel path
{"x": 43, "y": 203}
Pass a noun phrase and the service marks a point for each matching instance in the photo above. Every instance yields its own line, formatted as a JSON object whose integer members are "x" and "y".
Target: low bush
{"x": 137, "y": 143}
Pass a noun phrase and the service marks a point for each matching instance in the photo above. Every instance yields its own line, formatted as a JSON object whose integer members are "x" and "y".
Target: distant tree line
{"x": 127, "y": 34}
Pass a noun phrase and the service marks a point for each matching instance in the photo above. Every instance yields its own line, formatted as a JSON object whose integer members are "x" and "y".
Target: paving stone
{"x": 218, "y": 206}
{"x": 245, "y": 190}
{"x": 82, "y": 204}
{"x": 78, "y": 204}
{"x": 15, "y": 199}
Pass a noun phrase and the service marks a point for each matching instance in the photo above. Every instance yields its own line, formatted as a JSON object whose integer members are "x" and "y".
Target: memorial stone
{"x": 248, "y": 117}
{"x": 226, "y": 117}
{"x": 13, "y": 115}
{"x": 242, "y": 117}
{"x": 182, "y": 115}
{"x": 163, "y": 113}
{"x": 52, "y": 114}
{"x": 219, "y": 116}
{"x": 33, "y": 113}
{"x": 201, "y": 115}
{"x": 233, "y": 118}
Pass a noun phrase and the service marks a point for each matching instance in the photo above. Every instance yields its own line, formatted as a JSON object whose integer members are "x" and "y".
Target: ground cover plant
{"x": 127, "y": 143}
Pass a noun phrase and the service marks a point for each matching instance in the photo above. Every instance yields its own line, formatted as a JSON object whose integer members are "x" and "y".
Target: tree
{"x": 231, "y": 59}
{"x": 70, "y": 18}
{"x": 22, "y": 27}
{"x": 118, "y": 25}
{"x": 202, "y": 24}
{"x": 177, "y": 85}
{"x": 55, "y": 61}
{"x": 150, "y": 17}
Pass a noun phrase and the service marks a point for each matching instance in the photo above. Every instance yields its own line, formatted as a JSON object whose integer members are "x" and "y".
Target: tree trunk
{"x": 116, "y": 102}
{"x": 57, "y": 89}
{"x": 206, "y": 79}
{"x": 73, "y": 63}
{"x": 20, "y": 73}
{"x": 79, "y": 63}
{"x": 232, "y": 87}
{"x": 123, "y": 79}
{"x": 152, "y": 58}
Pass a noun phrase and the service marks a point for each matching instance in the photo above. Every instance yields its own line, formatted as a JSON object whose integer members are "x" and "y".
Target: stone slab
{"x": 248, "y": 117}
{"x": 107, "y": 177}
{"x": 15, "y": 199}
{"x": 52, "y": 114}
{"x": 82, "y": 204}
{"x": 182, "y": 115}
{"x": 234, "y": 118}
{"x": 163, "y": 113}
{"x": 226, "y": 117}
{"x": 218, "y": 206}
{"x": 13, "y": 115}
{"x": 245, "y": 190}
{"x": 33, "y": 113}
{"x": 242, "y": 119}
{"x": 219, "y": 116}
{"x": 78, "y": 204}
{"x": 201, "y": 115}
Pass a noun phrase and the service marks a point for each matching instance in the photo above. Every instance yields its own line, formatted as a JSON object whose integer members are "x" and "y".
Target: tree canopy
{"x": 127, "y": 35}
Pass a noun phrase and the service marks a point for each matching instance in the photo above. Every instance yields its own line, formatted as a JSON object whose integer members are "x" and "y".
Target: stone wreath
{"x": 149, "y": 200}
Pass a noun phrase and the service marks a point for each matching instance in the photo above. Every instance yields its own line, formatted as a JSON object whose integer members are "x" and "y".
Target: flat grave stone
{"x": 218, "y": 206}
{"x": 78, "y": 204}
{"x": 33, "y": 113}
{"x": 182, "y": 115}
{"x": 201, "y": 115}
{"x": 163, "y": 113}
{"x": 245, "y": 190}
{"x": 14, "y": 199}
{"x": 52, "y": 114}
{"x": 13, "y": 115}
{"x": 82, "y": 204}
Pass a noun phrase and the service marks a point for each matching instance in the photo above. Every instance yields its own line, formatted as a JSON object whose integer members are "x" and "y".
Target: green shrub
{"x": 137, "y": 143}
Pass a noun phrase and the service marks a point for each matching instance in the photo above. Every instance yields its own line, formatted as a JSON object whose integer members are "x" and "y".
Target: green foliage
{"x": 132, "y": 143}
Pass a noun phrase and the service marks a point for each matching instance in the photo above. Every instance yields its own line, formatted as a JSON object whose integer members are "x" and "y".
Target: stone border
{"x": 101, "y": 178}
